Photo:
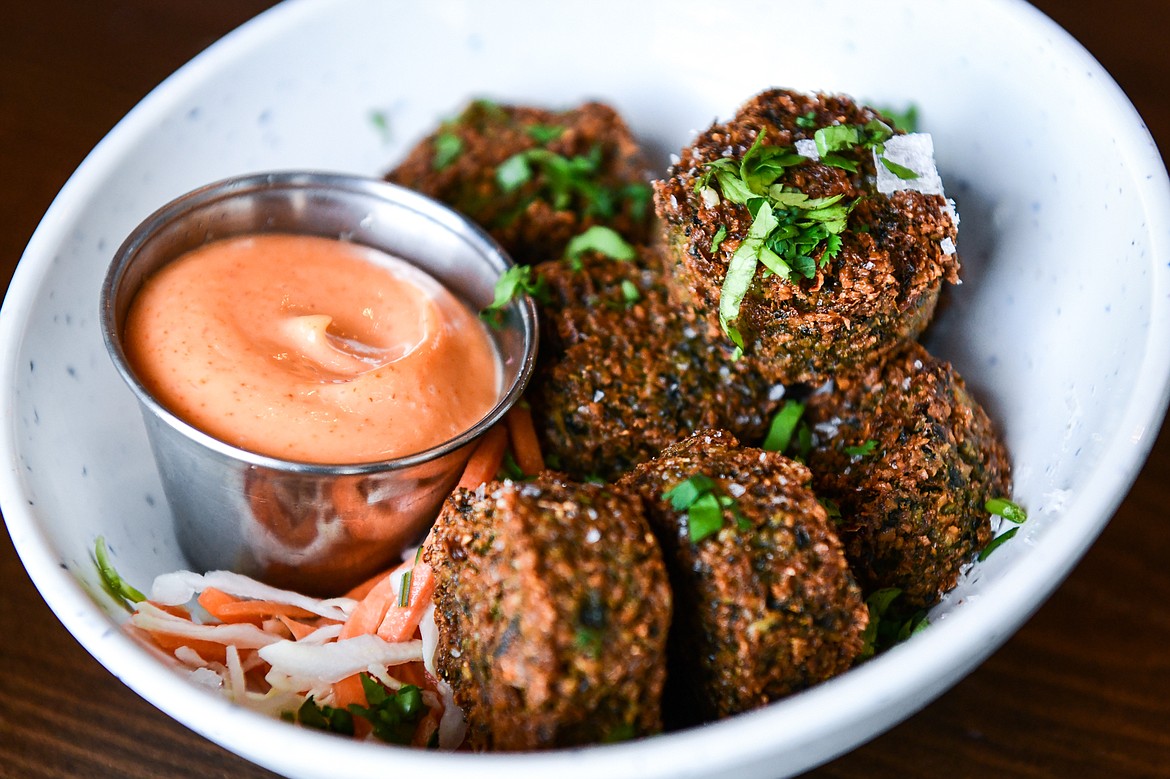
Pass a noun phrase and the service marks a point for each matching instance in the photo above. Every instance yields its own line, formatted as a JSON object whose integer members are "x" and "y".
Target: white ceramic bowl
{"x": 1060, "y": 327}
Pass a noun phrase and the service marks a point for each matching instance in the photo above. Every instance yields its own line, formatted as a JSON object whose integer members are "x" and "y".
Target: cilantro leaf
{"x": 783, "y": 426}
{"x": 515, "y": 281}
{"x": 717, "y": 239}
{"x": 448, "y": 147}
{"x": 862, "y": 450}
{"x": 901, "y": 171}
{"x": 324, "y": 717}
{"x": 603, "y": 240}
{"x": 704, "y": 508}
{"x": 544, "y": 133}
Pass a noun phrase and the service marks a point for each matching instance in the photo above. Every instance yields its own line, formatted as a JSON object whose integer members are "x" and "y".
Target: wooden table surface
{"x": 1083, "y": 690}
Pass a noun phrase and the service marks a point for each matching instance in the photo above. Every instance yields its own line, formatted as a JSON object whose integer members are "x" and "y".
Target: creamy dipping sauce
{"x": 311, "y": 349}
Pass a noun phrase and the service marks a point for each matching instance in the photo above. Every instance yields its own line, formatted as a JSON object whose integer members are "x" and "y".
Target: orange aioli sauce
{"x": 311, "y": 349}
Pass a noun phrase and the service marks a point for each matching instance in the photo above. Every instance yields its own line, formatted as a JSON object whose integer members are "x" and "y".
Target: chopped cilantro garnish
{"x": 630, "y": 293}
{"x": 514, "y": 172}
{"x": 565, "y": 182}
{"x": 783, "y": 427}
{"x": 807, "y": 121}
{"x": 544, "y": 133}
{"x": 381, "y": 122}
{"x": 112, "y": 581}
{"x": 517, "y": 280}
{"x": 448, "y": 147}
{"x": 704, "y": 508}
{"x": 905, "y": 120}
{"x": 717, "y": 239}
{"x": 1012, "y": 512}
{"x": 997, "y": 542}
{"x": 393, "y": 715}
{"x": 322, "y": 717}
{"x": 790, "y": 232}
{"x": 901, "y": 171}
{"x": 704, "y": 516}
{"x": 837, "y": 137}
{"x": 886, "y": 625}
{"x": 600, "y": 239}
{"x": 862, "y": 450}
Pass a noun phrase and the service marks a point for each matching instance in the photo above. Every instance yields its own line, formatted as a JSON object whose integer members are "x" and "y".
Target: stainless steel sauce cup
{"x": 317, "y": 528}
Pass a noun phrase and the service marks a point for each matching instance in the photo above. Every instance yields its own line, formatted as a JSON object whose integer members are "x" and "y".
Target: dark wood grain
{"x": 1083, "y": 690}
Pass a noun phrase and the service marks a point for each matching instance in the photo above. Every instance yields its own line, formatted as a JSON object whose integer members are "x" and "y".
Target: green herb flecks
{"x": 569, "y": 182}
{"x": 448, "y": 146}
{"x": 905, "y": 120}
{"x": 380, "y": 121}
{"x": 807, "y": 121}
{"x": 517, "y": 280}
{"x": 544, "y": 133}
{"x": 601, "y": 239}
{"x": 393, "y": 715}
{"x": 112, "y": 581}
{"x": 790, "y": 232}
{"x": 887, "y": 626}
{"x": 704, "y": 508}
{"x": 782, "y": 432}
{"x": 630, "y": 293}
{"x": 1012, "y": 512}
{"x": 901, "y": 171}
{"x": 322, "y": 717}
{"x": 997, "y": 542}
{"x": 861, "y": 450}
{"x": 717, "y": 239}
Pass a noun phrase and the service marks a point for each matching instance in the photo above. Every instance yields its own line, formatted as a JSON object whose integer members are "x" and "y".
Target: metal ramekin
{"x": 319, "y": 528}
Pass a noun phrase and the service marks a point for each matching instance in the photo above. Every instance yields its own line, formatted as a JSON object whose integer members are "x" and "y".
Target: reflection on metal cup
{"x": 316, "y": 527}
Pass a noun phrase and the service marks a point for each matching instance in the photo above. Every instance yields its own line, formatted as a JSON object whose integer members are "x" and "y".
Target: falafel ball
{"x": 765, "y": 604}
{"x": 552, "y": 605}
{"x": 535, "y": 178}
{"x": 626, "y": 374}
{"x": 834, "y": 272}
{"x": 910, "y": 457}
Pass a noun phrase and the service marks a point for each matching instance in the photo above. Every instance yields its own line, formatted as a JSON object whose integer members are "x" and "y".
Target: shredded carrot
{"x": 210, "y": 651}
{"x": 485, "y": 461}
{"x": 228, "y": 608}
{"x": 297, "y": 629}
{"x": 400, "y": 622}
{"x": 525, "y": 445}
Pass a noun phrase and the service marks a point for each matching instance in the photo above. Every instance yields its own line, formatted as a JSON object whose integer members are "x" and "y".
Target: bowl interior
{"x": 1059, "y": 327}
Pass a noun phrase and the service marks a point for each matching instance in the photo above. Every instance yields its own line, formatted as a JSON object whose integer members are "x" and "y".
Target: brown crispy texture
{"x": 880, "y": 291}
{"x": 765, "y": 607}
{"x": 912, "y": 509}
{"x": 619, "y": 382}
{"x": 553, "y": 608}
{"x": 527, "y": 222}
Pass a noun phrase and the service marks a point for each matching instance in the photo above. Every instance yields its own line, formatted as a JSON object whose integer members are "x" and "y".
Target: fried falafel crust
{"x": 766, "y": 606}
{"x": 553, "y": 607}
{"x": 526, "y": 221}
{"x": 619, "y": 380}
{"x": 912, "y": 508}
{"x": 878, "y": 292}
